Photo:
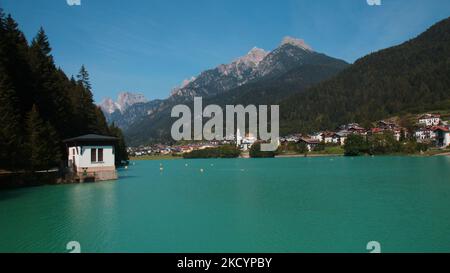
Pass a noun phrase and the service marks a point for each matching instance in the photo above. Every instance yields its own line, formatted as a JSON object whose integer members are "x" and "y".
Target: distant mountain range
{"x": 255, "y": 65}
{"x": 293, "y": 63}
{"x": 314, "y": 91}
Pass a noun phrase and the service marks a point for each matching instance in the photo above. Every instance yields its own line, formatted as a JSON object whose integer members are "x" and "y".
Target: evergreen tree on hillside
{"x": 102, "y": 127}
{"x": 14, "y": 62}
{"x": 11, "y": 135}
{"x": 2, "y": 20}
{"x": 121, "y": 154}
{"x": 39, "y": 105}
{"x": 43, "y": 144}
{"x": 408, "y": 78}
{"x": 83, "y": 78}
{"x": 41, "y": 41}
{"x": 51, "y": 86}
{"x": 13, "y": 32}
{"x": 86, "y": 106}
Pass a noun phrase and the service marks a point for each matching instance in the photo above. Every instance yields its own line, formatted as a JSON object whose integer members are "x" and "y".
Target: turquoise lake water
{"x": 240, "y": 205}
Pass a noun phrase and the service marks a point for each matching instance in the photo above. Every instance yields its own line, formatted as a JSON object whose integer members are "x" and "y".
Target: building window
{"x": 100, "y": 155}
{"x": 93, "y": 155}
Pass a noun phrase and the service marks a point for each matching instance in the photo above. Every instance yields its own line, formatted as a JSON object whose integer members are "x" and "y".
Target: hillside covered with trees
{"x": 39, "y": 105}
{"x": 410, "y": 78}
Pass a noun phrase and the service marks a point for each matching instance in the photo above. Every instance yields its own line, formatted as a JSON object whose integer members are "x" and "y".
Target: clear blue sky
{"x": 150, "y": 46}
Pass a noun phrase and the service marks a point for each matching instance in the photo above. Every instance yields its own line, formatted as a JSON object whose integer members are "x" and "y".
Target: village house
{"x": 292, "y": 138}
{"x": 352, "y": 127}
{"x": 316, "y": 136}
{"x": 327, "y": 137}
{"x": 247, "y": 142}
{"x": 430, "y": 120}
{"x": 185, "y": 149}
{"x": 310, "y": 143}
{"x": 386, "y": 125}
{"x": 442, "y": 136}
{"x": 91, "y": 158}
{"x": 398, "y": 132}
{"x": 340, "y": 137}
{"x": 376, "y": 130}
{"x": 425, "y": 135}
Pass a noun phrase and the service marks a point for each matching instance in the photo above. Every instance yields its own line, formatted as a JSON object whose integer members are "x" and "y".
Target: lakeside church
{"x": 91, "y": 158}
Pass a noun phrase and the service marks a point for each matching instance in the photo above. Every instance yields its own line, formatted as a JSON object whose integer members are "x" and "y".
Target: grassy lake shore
{"x": 433, "y": 152}
{"x": 156, "y": 157}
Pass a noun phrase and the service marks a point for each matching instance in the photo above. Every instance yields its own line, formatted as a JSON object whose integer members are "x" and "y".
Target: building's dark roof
{"x": 91, "y": 138}
{"x": 310, "y": 141}
{"x": 440, "y": 128}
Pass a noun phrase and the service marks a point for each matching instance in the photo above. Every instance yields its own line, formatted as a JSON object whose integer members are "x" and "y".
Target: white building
{"x": 340, "y": 137}
{"x": 239, "y": 138}
{"x": 425, "y": 135}
{"x": 292, "y": 138}
{"x": 310, "y": 143}
{"x": 92, "y": 157}
{"x": 327, "y": 137}
{"x": 317, "y": 136}
{"x": 430, "y": 119}
{"x": 397, "y": 134}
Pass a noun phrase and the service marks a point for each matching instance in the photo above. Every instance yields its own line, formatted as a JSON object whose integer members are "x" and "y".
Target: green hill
{"x": 410, "y": 78}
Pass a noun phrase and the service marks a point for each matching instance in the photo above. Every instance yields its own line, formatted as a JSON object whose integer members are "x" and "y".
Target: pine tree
{"x": 121, "y": 154}
{"x": 12, "y": 30}
{"x": 29, "y": 80}
{"x": 14, "y": 62}
{"x": 11, "y": 135}
{"x": 51, "y": 86}
{"x": 2, "y": 36}
{"x": 83, "y": 78}
{"x": 101, "y": 124}
{"x": 41, "y": 41}
{"x": 43, "y": 144}
{"x": 2, "y": 20}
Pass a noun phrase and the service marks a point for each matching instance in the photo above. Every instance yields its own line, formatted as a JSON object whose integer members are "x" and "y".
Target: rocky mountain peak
{"x": 295, "y": 42}
{"x": 109, "y": 106}
{"x": 178, "y": 89}
{"x": 124, "y": 101}
{"x": 255, "y": 56}
{"x": 127, "y": 99}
